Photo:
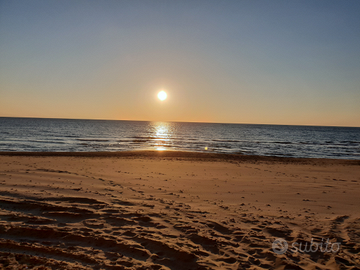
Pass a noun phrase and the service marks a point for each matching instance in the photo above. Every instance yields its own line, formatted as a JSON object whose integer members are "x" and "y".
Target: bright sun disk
{"x": 162, "y": 95}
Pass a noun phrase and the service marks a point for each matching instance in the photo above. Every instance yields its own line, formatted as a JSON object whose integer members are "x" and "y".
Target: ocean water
{"x": 67, "y": 135}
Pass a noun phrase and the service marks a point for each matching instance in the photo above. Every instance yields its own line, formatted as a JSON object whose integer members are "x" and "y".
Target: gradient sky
{"x": 271, "y": 62}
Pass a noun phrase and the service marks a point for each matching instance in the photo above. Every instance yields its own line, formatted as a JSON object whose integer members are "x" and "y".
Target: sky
{"x": 259, "y": 61}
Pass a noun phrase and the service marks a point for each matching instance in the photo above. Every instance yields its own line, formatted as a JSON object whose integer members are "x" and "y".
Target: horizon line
{"x": 227, "y": 123}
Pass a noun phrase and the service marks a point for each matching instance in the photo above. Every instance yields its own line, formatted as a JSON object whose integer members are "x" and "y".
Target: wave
{"x": 217, "y": 140}
{"x": 93, "y": 140}
{"x": 143, "y": 137}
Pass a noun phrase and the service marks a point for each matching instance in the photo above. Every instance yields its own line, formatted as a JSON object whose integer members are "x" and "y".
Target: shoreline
{"x": 184, "y": 154}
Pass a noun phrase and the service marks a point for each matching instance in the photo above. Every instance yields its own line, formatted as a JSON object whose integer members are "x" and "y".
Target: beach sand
{"x": 175, "y": 210}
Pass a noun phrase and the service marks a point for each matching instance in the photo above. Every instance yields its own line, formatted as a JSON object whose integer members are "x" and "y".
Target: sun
{"x": 162, "y": 95}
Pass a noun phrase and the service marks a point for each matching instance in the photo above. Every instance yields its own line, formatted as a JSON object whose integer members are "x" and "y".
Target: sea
{"x": 72, "y": 135}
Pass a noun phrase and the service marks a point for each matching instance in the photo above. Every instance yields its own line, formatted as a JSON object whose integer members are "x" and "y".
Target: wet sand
{"x": 177, "y": 210}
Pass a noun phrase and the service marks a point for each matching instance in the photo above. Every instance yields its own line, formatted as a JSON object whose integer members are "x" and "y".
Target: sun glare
{"x": 162, "y": 95}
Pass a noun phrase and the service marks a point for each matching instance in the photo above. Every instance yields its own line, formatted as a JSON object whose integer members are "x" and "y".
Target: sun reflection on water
{"x": 163, "y": 135}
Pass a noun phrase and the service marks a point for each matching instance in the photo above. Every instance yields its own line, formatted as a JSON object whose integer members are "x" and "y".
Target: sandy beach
{"x": 177, "y": 210}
